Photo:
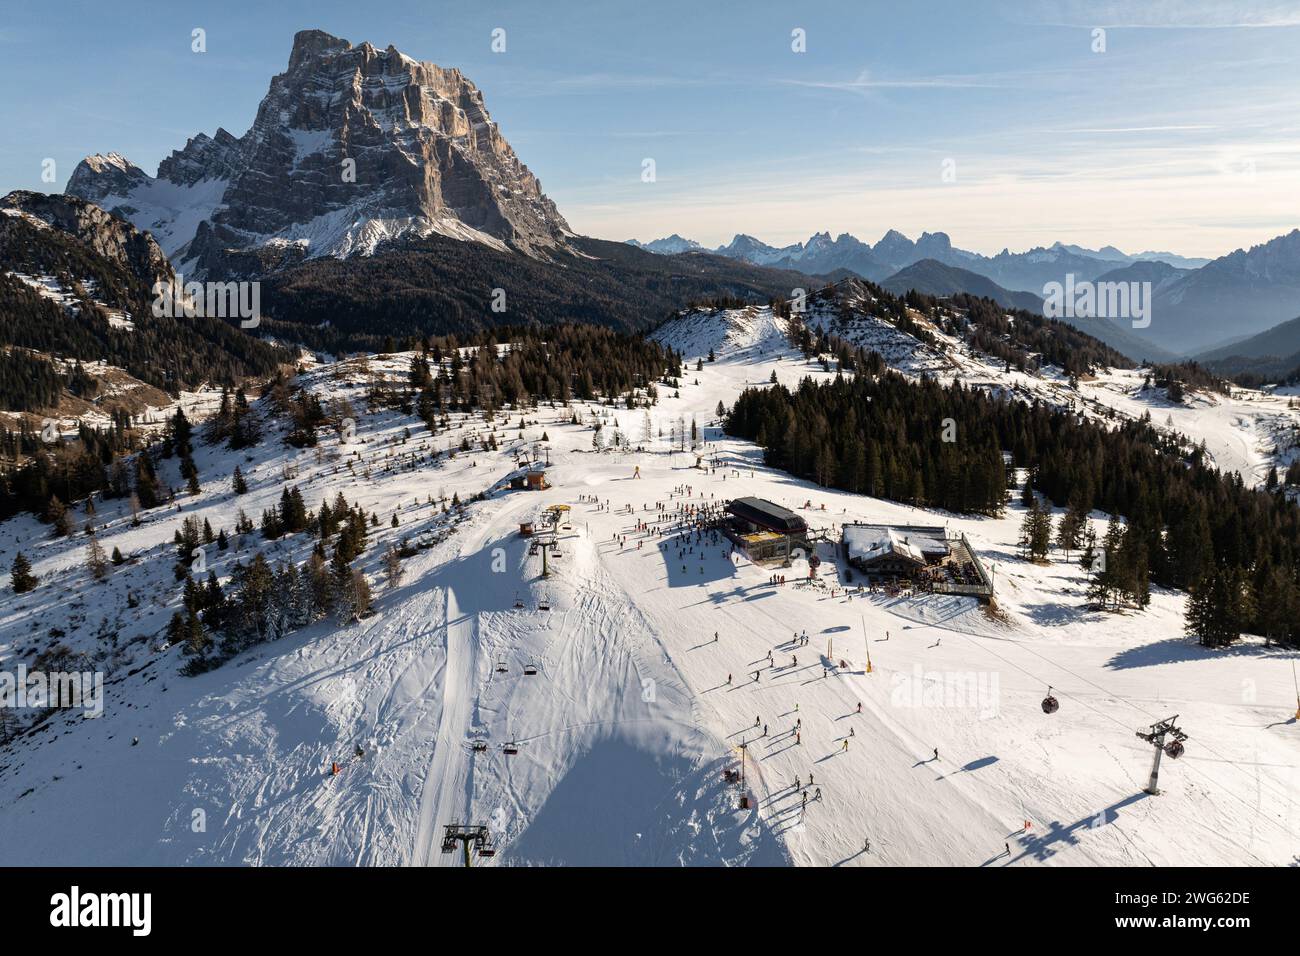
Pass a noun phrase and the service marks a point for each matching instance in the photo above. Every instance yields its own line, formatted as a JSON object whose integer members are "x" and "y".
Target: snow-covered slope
{"x": 1248, "y": 431}
{"x": 636, "y": 709}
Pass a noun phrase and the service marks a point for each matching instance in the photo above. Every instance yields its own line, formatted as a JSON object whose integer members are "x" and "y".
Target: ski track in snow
{"x": 625, "y": 730}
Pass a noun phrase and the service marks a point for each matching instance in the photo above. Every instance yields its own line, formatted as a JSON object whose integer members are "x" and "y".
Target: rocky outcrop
{"x": 92, "y": 229}
{"x": 352, "y": 147}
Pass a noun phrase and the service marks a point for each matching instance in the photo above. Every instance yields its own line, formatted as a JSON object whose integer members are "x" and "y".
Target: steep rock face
{"x": 352, "y": 146}
{"x": 105, "y": 174}
{"x": 90, "y": 227}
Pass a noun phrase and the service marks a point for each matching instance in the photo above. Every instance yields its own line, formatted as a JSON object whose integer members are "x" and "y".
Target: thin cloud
{"x": 865, "y": 82}
{"x": 1188, "y": 15}
{"x": 1133, "y": 129}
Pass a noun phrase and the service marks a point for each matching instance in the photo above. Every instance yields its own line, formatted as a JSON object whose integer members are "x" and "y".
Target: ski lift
{"x": 530, "y": 670}
{"x": 510, "y": 749}
{"x": 479, "y": 746}
{"x": 487, "y": 850}
{"x": 1050, "y": 704}
{"x": 519, "y": 602}
{"x": 544, "y": 604}
{"x": 501, "y": 667}
{"x": 1174, "y": 749}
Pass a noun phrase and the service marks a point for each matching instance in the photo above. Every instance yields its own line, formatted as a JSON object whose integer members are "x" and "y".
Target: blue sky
{"x": 1184, "y": 135}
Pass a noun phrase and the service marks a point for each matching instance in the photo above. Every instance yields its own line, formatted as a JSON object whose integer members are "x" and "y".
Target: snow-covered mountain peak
{"x": 351, "y": 146}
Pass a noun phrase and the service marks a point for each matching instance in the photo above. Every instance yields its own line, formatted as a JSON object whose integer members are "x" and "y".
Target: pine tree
{"x": 20, "y": 576}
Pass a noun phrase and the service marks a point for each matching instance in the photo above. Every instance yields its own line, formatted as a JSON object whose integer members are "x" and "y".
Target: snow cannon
{"x": 1174, "y": 749}
{"x": 1050, "y": 704}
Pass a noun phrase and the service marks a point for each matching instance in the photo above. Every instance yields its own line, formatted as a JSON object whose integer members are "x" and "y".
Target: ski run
{"x": 593, "y": 717}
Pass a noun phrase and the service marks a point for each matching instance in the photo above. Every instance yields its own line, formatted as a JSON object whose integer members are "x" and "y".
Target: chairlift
{"x": 487, "y": 850}
{"x": 1050, "y": 704}
{"x": 510, "y": 749}
{"x": 530, "y": 670}
{"x": 544, "y": 604}
{"x": 1174, "y": 749}
{"x": 501, "y": 667}
{"x": 519, "y": 602}
{"x": 479, "y": 746}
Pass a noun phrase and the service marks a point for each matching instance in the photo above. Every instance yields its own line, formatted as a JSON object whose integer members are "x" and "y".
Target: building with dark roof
{"x": 764, "y": 531}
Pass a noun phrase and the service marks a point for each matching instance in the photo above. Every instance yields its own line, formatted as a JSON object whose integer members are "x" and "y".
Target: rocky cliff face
{"x": 88, "y": 229}
{"x": 352, "y": 146}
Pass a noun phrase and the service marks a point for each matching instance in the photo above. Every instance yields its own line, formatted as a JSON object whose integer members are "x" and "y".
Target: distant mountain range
{"x": 359, "y": 153}
{"x": 1273, "y": 355}
{"x": 1196, "y": 303}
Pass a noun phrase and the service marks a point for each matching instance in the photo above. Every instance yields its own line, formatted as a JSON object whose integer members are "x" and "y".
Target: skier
{"x": 846, "y": 743}
{"x": 936, "y": 753}
{"x": 867, "y": 846}
{"x": 728, "y": 680}
{"x": 859, "y": 707}
{"x": 765, "y": 730}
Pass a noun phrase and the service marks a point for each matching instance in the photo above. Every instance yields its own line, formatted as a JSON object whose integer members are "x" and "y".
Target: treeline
{"x": 70, "y": 469}
{"x": 1020, "y": 339}
{"x": 263, "y": 601}
{"x": 523, "y": 366}
{"x": 1183, "y": 375}
{"x": 167, "y": 353}
{"x": 883, "y": 436}
{"x": 1025, "y": 340}
{"x": 28, "y": 383}
{"x": 1186, "y": 522}
{"x": 440, "y": 286}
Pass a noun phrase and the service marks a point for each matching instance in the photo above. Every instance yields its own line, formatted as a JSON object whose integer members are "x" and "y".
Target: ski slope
{"x": 624, "y": 732}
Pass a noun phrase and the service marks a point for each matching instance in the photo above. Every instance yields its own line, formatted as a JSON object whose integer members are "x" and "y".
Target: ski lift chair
{"x": 544, "y": 604}
{"x": 510, "y": 749}
{"x": 530, "y": 670}
{"x": 501, "y": 667}
{"x": 479, "y": 746}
